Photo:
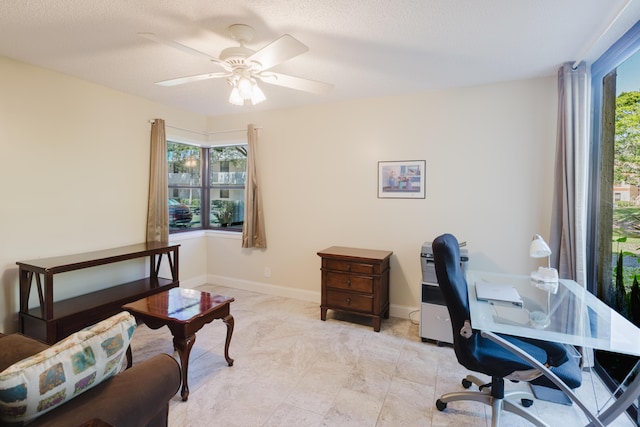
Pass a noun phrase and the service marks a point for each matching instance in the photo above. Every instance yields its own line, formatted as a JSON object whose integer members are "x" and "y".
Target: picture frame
{"x": 404, "y": 179}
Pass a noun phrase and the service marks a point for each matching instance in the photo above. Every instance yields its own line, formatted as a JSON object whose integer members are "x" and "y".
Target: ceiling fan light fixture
{"x": 245, "y": 87}
{"x": 242, "y": 66}
{"x": 258, "y": 94}
{"x": 235, "y": 97}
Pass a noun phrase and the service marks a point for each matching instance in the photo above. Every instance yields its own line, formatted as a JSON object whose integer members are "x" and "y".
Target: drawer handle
{"x": 348, "y": 282}
{"x": 349, "y": 301}
{"x": 348, "y": 267}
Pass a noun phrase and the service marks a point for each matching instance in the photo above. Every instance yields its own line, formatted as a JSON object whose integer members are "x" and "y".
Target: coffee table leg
{"x": 228, "y": 320}
{"x": 129, "y": 357}
{"x": 183, "y": 345}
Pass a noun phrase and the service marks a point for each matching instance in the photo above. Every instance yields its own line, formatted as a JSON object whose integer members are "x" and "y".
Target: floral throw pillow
{"x": 40, "y": 383}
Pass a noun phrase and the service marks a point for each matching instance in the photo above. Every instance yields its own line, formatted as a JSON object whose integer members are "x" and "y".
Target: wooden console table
{"x": 50, "y": 321}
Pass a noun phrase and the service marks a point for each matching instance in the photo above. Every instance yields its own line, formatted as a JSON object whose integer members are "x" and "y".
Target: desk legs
{"x": 621, "y": 404}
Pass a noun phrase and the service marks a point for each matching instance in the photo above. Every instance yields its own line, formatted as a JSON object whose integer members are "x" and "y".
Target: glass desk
{"x": 572, "y": 316}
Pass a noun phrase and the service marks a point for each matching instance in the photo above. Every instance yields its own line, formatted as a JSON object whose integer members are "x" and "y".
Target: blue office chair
{"x": 482, "y": 355}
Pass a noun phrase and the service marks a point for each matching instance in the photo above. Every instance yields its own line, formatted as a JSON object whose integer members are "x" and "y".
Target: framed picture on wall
{"x": 401, "y": 179}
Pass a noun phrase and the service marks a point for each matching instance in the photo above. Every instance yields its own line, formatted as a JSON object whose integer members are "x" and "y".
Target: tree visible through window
{"x": 619, "y": 207}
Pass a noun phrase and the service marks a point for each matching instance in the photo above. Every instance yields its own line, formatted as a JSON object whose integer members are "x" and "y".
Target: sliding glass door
{"x": 614, "y": 233}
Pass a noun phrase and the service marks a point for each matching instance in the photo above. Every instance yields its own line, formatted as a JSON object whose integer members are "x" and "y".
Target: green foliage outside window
{"x": 625, "y": 290}
{"x": 627, "y": 138}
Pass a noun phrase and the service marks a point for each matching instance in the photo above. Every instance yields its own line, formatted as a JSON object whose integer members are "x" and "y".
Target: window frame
{"x": 198, "y": 187}
{"x": 620, "y": 51}
{"x": 224, "y": 186}
{"x": 206, "y": 186}
{"x": 603, "y": 71}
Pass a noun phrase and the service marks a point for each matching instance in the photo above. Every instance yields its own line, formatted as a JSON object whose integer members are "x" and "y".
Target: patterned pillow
{"x": 40, "y": 383}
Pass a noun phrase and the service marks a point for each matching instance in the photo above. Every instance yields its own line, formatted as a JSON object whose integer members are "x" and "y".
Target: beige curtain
{"x": 253, "y": 232}
{"x": 569, "y": 215}
{"x": 158, "y": 209}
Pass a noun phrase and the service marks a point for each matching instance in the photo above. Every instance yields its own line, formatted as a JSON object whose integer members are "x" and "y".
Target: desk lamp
{"x": 546, "y": 277}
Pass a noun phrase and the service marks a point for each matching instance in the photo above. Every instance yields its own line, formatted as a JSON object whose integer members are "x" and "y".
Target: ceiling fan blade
{"x": 278, "y": 51}
{"x": 183, "y": 48}
{"x": 298, "y": 83}
{"x": 189, "y": 79}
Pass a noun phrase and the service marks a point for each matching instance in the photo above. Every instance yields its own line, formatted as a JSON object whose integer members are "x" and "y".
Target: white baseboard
{"x": 399, "y": 311}
{"x": 403, "y": 312}
{"x": 193, "y": 282}
{"x": 265, "y": 288}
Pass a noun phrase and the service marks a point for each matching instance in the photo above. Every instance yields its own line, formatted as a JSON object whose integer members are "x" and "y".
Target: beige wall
{"x": 75, "y": 171}
{"x": 489, "y": 155}
{"x": 74, "y": 175}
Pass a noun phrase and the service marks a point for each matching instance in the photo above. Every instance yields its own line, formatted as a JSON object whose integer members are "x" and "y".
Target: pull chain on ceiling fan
{"x": 243, "y": 67}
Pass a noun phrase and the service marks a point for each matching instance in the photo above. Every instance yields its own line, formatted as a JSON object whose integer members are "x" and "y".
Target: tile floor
{"x": 292, "y": 369}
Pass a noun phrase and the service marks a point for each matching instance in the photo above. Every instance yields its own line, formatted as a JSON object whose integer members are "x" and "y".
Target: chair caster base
{"x": 526, "y": 402}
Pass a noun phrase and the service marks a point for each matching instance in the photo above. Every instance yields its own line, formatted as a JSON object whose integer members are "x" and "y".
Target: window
{"x": 185, "y": 185}
{"x": 614, "y": 231}
{"x": 227, "y": 175}
{"x": 212, "y": 177}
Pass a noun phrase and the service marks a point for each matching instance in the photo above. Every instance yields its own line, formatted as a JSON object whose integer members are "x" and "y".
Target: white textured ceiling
{"x": 366, "y": 48}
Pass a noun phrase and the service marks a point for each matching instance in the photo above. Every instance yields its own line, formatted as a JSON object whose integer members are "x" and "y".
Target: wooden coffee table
{"x": 185, "y": 312}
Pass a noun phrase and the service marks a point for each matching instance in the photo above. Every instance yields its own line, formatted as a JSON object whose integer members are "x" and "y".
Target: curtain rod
{"x": 588, "y": 48}
{"x": 231, "y": 130}
{"x": 183, "y": 129}
{"x": 226, "y": 131}
{"x": 205, "y": 133}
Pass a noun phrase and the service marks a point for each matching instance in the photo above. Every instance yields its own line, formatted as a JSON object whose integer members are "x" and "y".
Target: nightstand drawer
{"x": 350, "y": 282}
{"x": 355, "y": 280}
{"x": 349, "y": 266}
{"x": 350, "y": 301}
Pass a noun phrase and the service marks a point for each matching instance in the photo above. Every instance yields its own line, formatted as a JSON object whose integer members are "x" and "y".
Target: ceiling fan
{"x": 243, "y": 67}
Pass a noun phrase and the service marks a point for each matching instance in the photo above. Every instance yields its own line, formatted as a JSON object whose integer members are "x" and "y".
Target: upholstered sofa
{"x": 138, "y": 396}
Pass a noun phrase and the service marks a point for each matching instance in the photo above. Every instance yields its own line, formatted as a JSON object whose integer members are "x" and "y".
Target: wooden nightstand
{"x": 355, "y": 281}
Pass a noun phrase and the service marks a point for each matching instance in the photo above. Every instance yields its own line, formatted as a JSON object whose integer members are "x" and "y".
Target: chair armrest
{"x": 15, "y": 347}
